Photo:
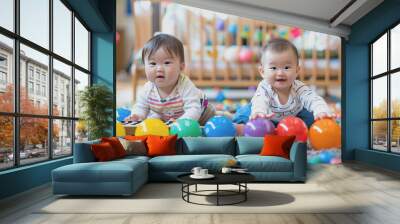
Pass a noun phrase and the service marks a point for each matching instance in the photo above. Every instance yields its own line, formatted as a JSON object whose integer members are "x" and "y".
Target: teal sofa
{"x": 125, "y": 176}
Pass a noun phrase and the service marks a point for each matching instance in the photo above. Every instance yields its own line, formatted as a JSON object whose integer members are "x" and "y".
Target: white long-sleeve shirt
{"x": 185, "y": 101}
{"x": 266, "y": 101}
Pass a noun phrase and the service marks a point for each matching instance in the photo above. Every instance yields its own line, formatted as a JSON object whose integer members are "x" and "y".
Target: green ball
{"x": 185, "y": 127}
{"x": 314, "y": 160}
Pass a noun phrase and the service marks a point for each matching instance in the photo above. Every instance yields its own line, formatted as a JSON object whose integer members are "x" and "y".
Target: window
{"x": 37, "y": 89}
{"x": 44, "y": 91}
{"x": 30, "y": 72}
{"x": 30, "y": 87}
{"x": 41, "y": 83}
{"x": 3, "y": 61}
{"x": 385, "y": 96}
{"x": 3, "y": 71}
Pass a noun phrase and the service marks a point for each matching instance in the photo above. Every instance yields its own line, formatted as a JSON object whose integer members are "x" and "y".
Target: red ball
{"x": 293, "y": 126}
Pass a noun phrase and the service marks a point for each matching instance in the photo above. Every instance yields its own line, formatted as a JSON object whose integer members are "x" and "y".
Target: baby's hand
{"x": 262, "y": 115}
{"x": 132, "y": 118}
{"x": 323, "y": 115}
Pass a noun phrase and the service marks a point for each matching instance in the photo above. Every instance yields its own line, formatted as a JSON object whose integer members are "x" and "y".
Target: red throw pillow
{"x": 161, "y": 145}
{"x": 116, "y": 145}
{"x": 275, "y": 145}
{"x": 103, "y": 151}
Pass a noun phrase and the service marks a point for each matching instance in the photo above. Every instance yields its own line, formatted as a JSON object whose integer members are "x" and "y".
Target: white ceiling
{"x": 315, "y": 15}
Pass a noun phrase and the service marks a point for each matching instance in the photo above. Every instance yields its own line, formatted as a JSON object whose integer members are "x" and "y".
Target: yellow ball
{"x": 152, "y": 126}
{"x": 120, "y": 129}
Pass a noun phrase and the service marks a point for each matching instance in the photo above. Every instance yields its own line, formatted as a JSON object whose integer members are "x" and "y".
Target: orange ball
{"x": 325, "y": 134}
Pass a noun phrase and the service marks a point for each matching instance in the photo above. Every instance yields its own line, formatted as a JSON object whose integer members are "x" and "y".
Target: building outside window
{"x": 385, "y": 96}
{"x": 34, "y": 75}
{"x": 30, "y": 87}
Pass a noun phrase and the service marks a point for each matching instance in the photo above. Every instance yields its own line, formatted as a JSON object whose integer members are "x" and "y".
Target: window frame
{"x": 388, "y": 74}
{"x": 16, "y": 114}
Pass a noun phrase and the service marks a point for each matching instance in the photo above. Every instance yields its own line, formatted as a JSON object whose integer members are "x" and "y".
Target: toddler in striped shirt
{"x": 168, "y": 94}
{"x": 279, "y": 94}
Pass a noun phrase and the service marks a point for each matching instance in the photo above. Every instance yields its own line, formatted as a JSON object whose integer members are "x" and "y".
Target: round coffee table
{"x": 238, "y": 179}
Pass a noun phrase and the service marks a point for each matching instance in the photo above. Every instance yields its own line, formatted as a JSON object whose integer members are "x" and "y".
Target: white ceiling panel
{"x": 326, "y": 16}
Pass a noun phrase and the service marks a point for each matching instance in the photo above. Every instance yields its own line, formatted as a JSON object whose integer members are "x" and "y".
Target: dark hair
{"x": 170, "y": 43}
{"x": 280, "y": 45}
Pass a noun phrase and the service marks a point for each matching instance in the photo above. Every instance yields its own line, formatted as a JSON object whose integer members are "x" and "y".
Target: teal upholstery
{"x": 206, "y": 145}
{"x": 180, "y": 164}
{"x": 125, "y": 176}
{"x": 83, "y": 153}
{"x": 119, "y": 177}
{"x": 249, "y": 145}
{"x": 259, "y": 163}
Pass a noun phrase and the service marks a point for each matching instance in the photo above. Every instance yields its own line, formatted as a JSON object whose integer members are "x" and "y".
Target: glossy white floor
{"x": 377, "y": 188}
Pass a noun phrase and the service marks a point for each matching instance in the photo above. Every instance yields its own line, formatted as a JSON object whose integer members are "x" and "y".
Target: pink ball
{"x": 336, "y": 160}
{"x": 245, "y": 55}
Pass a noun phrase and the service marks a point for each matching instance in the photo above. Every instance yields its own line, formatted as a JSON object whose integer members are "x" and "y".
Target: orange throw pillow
{"x": 161, "y": 145}
{"x": 275, "y": 145}
{"x": 103, "y": 151}
{"x": 116, "y": 145}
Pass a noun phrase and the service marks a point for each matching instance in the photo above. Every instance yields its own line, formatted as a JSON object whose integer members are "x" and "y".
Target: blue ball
{"x": 232, "y": 28}
{"x": 219, "y": 126}
{"x": 122, "y": 113}
{"x": 325, "y": 156}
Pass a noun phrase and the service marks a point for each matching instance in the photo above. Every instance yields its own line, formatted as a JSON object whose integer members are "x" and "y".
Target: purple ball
{"x": 259, "y": 127}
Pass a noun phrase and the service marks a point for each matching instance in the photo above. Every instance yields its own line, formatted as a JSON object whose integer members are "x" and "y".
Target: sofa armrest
{"x": 83, "y": 152}
{"x": 298, "y": 155}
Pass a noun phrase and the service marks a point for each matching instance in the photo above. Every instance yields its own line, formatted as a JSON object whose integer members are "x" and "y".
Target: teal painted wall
{"x": 356, "y": 85}
{"x": 99, "y": 16}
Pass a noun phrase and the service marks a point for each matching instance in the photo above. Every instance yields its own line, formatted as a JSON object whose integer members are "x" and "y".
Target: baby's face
{"x": 279, "y": 69}
{"x": 163, "y": 69}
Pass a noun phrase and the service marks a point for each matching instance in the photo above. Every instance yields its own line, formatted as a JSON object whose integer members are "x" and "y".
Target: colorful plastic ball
{"x": 325, "y": 134}
{"x": 292, "y": 126}
{"x": 314, "y": 160}
{"x": 246, "y": 55}
{"x": 122, "y": 113}
{"x": 152, "y": 126}
{"x": 219, "y": 126}
{"x": 231, "y": 54}
{"x": 259, "y": 128}
{"x": 185, "y": 127}
{"x": 220, "y": 25}
{"x": 120, "y": 129}
{"x": 232, "y": 28}
{"x": 325, "y": 156}
{"x": 336, "y": 160}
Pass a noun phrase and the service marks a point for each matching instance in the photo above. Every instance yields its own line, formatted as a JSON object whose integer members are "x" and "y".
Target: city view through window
{"x": 385, "y": 82}
{"x": 42, "y": 70}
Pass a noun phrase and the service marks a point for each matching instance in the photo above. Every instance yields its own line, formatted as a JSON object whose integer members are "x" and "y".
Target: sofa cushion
{"x": 206, "y": 145}
{"x": 134, "y": 147}
{"x": 83, "y": 152}
{"x": 275, "y": 145}
{"x": 103, "y": 151}
{"x": 249, "y": 145}
{"x": 161, "y": 145}
{"x": 117, "y": 146}
{"x": 185, "y": 163}
{"x": 112, "y": 171}
{"x": 257, "y": 163}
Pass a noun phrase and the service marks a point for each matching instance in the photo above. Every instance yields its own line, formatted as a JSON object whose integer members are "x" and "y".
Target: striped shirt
{"x": 185, "y": 101}
{"x": 266, "y": 101}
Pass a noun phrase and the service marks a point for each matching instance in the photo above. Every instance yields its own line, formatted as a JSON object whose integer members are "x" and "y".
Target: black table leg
{"x": 217, "y": 194}
{"x": 245, "y": 193}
